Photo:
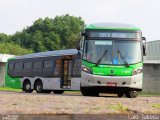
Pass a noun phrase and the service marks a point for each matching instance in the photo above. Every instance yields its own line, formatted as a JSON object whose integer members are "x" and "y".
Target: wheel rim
{"x": 28, "y": 86}
{"x": 133, "y": 93}
{"x": 39, "y": 87}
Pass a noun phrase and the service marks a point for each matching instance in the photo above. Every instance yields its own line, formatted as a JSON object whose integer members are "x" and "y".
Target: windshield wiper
{"x": 100, "y": 59}
{"x": 124, "y": 60}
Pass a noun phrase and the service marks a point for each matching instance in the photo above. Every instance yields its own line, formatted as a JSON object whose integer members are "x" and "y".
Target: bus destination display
{"x": 114, "y": 35}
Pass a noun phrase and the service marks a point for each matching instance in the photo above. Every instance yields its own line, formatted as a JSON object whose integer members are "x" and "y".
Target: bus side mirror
{"x": 144, "y": 46}
{"x": 78, "y": 45}
{"x": 78, "y": 48}
{"x": 78, "y": 42}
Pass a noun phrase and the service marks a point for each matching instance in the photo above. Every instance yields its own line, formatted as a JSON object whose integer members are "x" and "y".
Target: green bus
{"x": 108, "y": 60}
{"x": 112, "y": 59}
{"x": 45, "y": 72}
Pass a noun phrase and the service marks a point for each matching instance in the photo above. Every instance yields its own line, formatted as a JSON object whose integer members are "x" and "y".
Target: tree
{"x": 68, "y": 28}
{"x": 50, "y": 34}
{"x": 62, "y": 32}
{"x": 4, "y": 37}
{"x": 14, "y": 49}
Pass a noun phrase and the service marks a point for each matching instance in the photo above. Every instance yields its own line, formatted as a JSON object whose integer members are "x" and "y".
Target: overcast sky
{"x": 18, "y": 14}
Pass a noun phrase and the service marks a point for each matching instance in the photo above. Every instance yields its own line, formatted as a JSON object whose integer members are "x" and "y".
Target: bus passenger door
{"x": 66, "y": 74}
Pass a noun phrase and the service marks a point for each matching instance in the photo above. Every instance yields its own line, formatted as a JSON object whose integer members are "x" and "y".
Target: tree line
{"x": 46, "y": 34}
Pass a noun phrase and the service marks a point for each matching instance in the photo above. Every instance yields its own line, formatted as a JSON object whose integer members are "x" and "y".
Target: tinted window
{"x": 28, "y": 65}
{"x": 76, "y": 67}
{"x": 18, "y": 66}
{"x": 11, "y": 66}
{"x": 37, "y": 65}
{"x": 48, "y": 64}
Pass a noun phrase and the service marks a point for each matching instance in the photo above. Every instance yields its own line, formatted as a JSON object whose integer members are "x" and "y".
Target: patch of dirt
{"x": 68, "y": 103}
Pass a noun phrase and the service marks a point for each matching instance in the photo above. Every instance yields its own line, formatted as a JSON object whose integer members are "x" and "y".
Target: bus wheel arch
{"x": 38, "y": 85}
{"x": 131, "y": 93}
{"x": 27, "y": 86}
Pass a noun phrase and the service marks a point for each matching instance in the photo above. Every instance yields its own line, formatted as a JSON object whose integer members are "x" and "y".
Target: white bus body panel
{"x": 48, "y": 83}
{"x": 30, "y": 79}
{"x": 53, "y": 83}
{"x": 89, "y": 80}
{"x": 75, "y": 83}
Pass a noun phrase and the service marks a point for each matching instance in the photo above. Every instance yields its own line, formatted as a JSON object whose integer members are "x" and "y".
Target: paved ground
{"x": 74, "y": 103}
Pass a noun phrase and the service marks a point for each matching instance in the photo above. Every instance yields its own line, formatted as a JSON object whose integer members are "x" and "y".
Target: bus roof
{"x": 49, "y": 53}
{"x": 112, "y": 26}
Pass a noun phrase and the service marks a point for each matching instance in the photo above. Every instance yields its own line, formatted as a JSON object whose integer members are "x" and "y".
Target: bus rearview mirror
{"x": 144, "y": 46}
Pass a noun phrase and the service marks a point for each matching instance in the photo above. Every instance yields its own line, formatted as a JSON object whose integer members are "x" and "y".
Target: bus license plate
{"x": 111, "y": 84}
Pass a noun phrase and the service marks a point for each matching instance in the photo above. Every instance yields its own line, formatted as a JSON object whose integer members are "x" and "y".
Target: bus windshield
{"x": 119, "y": 52}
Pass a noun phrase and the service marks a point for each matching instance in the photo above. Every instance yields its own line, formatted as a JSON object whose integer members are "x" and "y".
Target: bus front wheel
{"x": 88, "y": 92}
{"x": 27, "y": 87}
{"x": 131, "y": 94}
{"x": 120, "y": 94}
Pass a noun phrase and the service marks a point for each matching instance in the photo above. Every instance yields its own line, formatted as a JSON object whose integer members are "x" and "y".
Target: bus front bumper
{"x": 109, "y": 82}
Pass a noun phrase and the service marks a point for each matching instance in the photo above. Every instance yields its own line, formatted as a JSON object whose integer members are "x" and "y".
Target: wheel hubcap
{"x": 28, "y": 86}
{"x": 134, "y": 93}
{"x": 38, "y": 87}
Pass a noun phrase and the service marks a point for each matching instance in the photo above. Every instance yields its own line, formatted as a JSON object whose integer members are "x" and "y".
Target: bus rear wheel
{"x": 39, "y": 87}
{"x": 58, "y": 91}
{"x": 47, "y": 91}
{"x": 131, "y": 94}
{"x": 27, "y": 87}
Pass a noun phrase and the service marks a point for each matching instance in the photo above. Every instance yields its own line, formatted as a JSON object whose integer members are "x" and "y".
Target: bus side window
{"x": 18, "y": 69}
{"x": 11, "y": 69}
{"x": 28, "y": 65}
{"x": 19, "y": 66}
{"x": 37, "y": 65}
{"x": 76, "y": 70}
{"x": 48, "y": 64}
{"x": 11, "y": 66}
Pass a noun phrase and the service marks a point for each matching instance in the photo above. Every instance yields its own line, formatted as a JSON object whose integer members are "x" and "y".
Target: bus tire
{"x": 47, "y": 91}
{"x": 27, "y": 86}
{"x": 88, "y": 92}
{"x": 131, "y": 94}
{"x": 58, "y": 91}
{"x": 39, "y": 86}
{"x": 120, "y": 94}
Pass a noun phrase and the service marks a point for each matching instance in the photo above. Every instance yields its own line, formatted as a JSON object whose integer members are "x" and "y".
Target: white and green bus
{"x": 45, "y": 72}
{"x": 112, "y": 59}
{"x": 109, "y": 61}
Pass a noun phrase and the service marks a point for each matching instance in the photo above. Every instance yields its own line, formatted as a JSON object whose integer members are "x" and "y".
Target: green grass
{"x": 149, "y": 94}
{"x": 10, "y": 89}
{"x": 157, "y": 105}
{"x": 118, "y": 107}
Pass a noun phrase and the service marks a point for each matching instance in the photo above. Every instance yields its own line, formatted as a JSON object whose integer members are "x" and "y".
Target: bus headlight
{"x": 86, "y": 69}
{"x": 136, "y": 71}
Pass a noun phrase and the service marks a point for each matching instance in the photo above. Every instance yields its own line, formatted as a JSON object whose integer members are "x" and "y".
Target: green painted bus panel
{"x": 112, "y": 70}
{"x": 94, "y": 27}
{"x": 11, "y": 81}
